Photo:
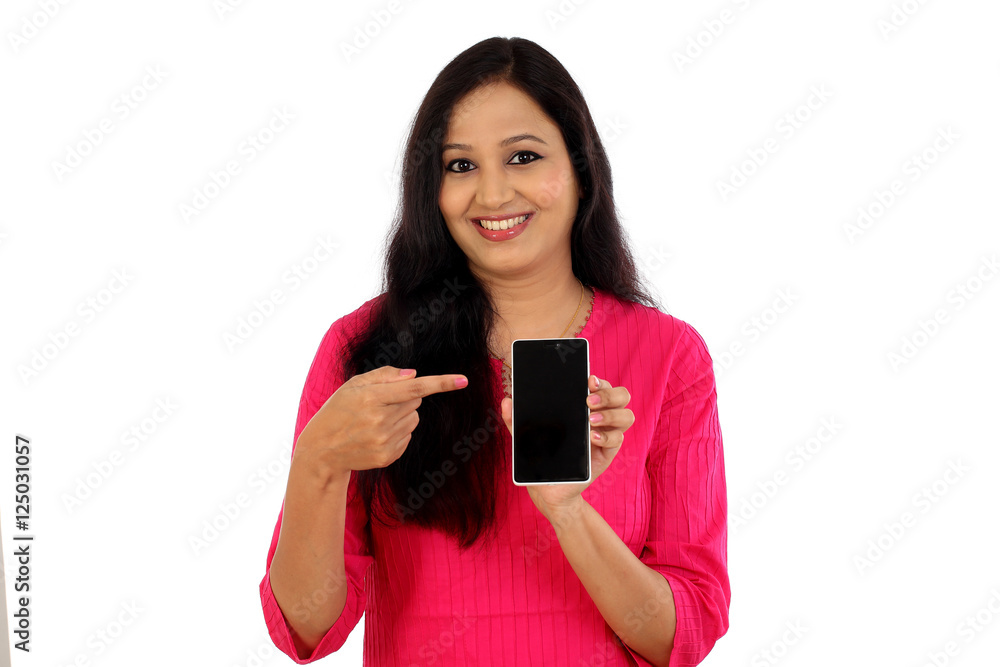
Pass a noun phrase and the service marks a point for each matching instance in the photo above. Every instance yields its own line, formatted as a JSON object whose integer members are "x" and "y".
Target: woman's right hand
{"x": 368, "y": 421}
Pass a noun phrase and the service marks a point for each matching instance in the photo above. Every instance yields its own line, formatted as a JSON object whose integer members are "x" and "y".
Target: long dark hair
{"x": 435, "y": 316}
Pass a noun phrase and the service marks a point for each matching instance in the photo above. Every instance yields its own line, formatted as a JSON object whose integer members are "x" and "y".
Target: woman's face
{"x": 504, "y": 159}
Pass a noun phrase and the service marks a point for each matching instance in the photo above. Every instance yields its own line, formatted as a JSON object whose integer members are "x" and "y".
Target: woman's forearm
{"x": 307, "y": 571}
{"x": 635, "y": 600}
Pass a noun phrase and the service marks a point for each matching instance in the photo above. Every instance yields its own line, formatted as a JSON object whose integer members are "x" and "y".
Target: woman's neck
{"x": 537, "y": 308}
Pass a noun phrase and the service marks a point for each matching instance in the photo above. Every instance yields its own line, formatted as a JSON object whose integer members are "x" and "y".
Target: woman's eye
{"x": 462, "y": 165}
{"x": 461, "y": 161}
{"x": 525, "y": 154}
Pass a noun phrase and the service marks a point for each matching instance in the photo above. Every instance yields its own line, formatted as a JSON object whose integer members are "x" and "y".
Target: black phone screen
{"x": 551, "y": 424}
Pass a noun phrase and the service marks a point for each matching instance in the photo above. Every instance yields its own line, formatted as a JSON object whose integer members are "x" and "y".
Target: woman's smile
{"x": 502, "y": 228}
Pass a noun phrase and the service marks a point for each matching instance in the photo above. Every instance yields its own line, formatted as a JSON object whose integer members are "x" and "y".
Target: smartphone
{"x": 551, "y": 421}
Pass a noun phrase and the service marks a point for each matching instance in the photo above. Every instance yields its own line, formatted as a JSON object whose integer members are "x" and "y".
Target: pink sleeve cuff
{"x": 336, "y": 636}
{"x": 692, "y": 642}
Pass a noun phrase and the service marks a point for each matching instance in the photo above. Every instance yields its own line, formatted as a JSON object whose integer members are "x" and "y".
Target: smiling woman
{"x": 399, "y": 503}
{"x": 499, "y": 181}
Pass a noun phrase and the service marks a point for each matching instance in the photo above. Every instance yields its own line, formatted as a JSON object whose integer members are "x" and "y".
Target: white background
{"x": 674, "y": 131}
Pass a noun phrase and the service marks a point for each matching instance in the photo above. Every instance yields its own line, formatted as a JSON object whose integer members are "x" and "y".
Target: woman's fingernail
{"x": 461, "y": 382}
{"x": 596, "y": 417}
{"x": 594, "y": 399}
{"x": 405, "y": 371}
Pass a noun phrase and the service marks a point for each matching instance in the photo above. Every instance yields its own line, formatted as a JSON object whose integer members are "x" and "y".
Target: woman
{"x": 399, "y": 501}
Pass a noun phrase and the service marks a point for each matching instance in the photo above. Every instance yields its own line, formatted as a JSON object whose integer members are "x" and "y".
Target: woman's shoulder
{"x": 630, "y": 320}
{"x": 358, "y": 319}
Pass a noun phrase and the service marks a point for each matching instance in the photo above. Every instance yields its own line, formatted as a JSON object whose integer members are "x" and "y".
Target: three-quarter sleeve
{"x": 688, "y": 523}
{"x": 323, "y": 379}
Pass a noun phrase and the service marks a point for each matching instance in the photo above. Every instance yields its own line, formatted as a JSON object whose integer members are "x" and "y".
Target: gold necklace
{"x": 572, "y": 319}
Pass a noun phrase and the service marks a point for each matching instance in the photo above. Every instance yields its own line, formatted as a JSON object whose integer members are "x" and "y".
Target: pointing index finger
{"x": 419, "y": 387}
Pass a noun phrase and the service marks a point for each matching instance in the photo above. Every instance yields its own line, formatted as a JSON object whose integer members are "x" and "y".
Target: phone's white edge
{"x": 590, "y": 471}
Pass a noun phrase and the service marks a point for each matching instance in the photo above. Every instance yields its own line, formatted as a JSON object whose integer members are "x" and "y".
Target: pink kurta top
{"x": 425, "y": 602}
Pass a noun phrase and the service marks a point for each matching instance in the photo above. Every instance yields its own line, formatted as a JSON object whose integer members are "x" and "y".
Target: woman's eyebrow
{"x": 506, "y": 142}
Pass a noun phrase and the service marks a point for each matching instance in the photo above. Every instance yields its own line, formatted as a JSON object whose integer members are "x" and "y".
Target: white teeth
{"x": 497, "y": 225}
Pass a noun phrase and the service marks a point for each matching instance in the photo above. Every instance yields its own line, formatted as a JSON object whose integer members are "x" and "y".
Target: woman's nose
{"x": 494, "y": 188}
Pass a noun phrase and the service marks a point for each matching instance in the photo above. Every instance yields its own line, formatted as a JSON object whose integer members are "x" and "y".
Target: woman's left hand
{"x": 606, "y": 437}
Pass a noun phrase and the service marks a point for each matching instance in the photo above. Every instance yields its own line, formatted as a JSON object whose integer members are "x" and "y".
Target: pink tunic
{"x": 425, "y": 602}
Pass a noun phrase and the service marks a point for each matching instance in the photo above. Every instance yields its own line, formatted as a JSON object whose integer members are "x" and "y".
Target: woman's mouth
{"x": 495, "y": 228}
{"x": 506, "y": 223}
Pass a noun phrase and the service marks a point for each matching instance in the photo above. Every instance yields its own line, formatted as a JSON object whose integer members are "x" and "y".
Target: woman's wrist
{"x": 566, "y": 513}
{"x": 318, "y": 473}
